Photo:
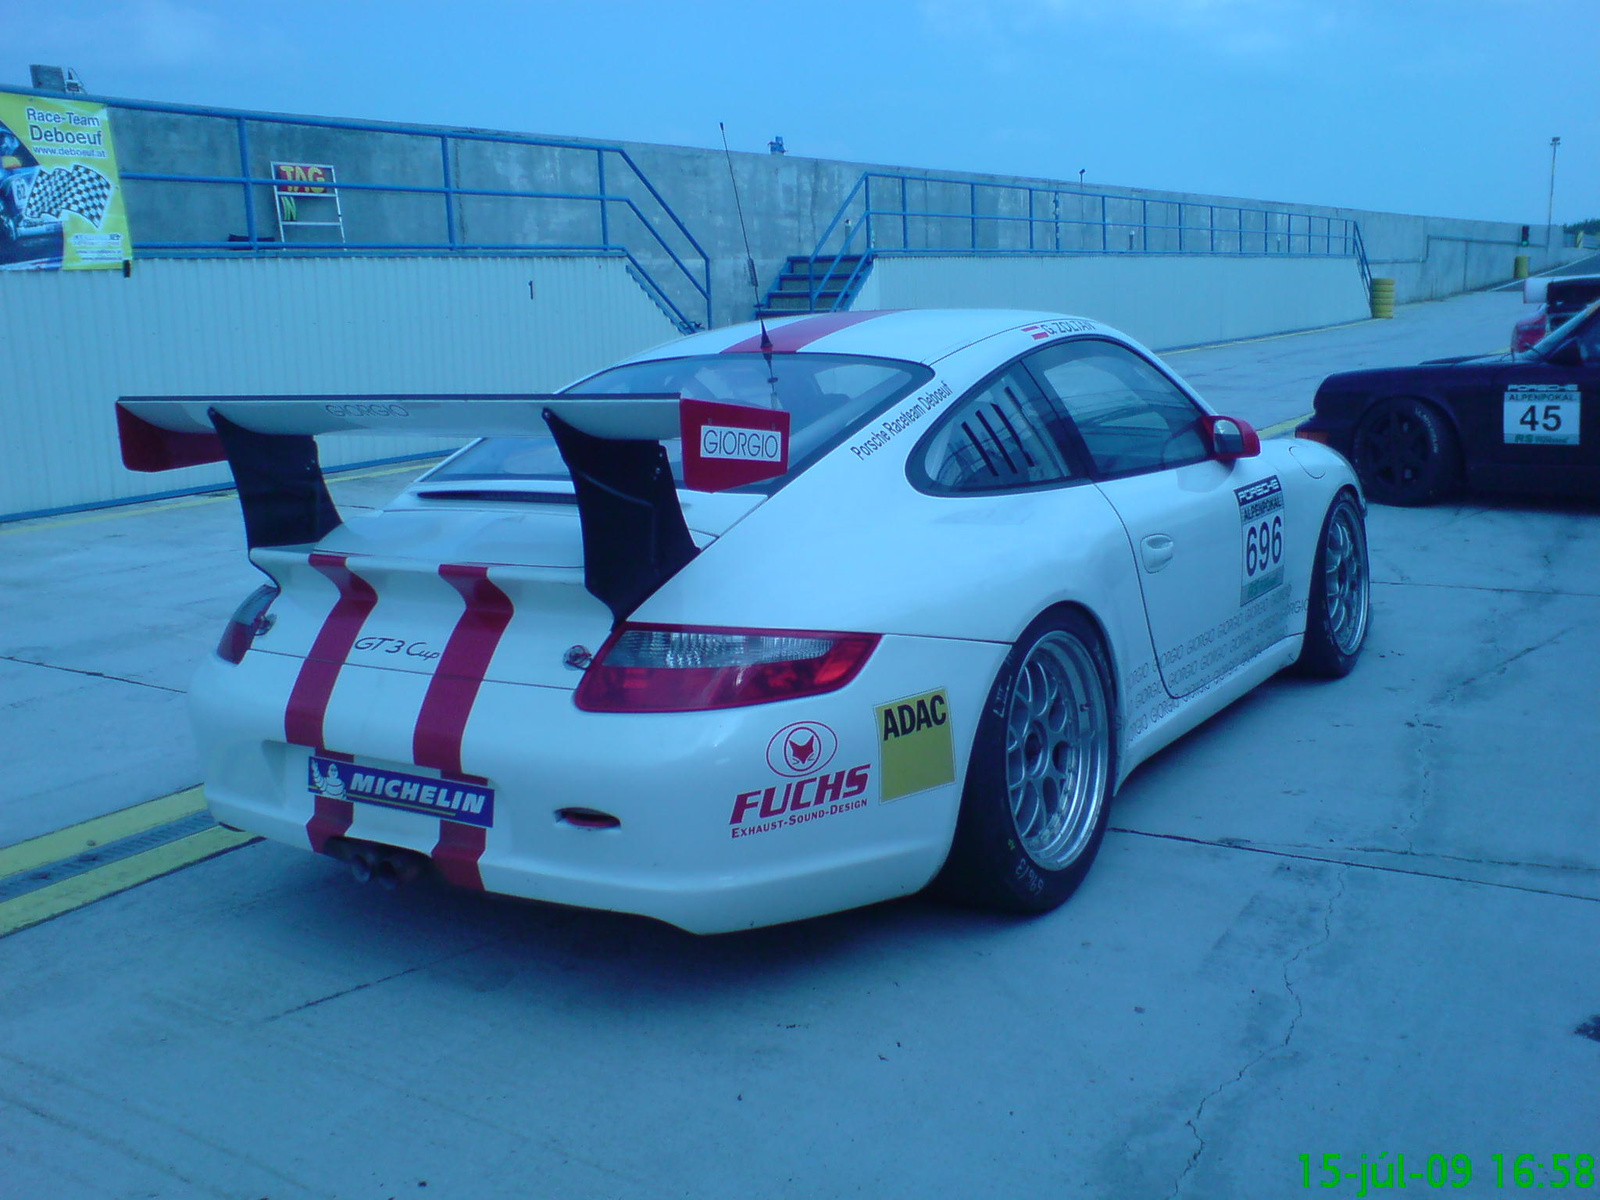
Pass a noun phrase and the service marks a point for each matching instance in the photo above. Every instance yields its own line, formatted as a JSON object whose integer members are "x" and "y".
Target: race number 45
{"x": 1261, "y": 531}
{"x": 1542, "y": 414}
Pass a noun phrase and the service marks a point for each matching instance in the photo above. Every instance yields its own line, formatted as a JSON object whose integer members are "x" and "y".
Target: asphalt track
{"x": 1357, "y": 918}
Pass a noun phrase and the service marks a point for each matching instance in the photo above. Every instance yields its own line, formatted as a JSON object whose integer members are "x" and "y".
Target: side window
{"x": 1004, "y": 435}
{"x": 1130, "y": 416}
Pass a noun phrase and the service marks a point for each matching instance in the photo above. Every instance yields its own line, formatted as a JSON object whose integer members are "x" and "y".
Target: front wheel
{"x": 1406, "y": 452}
{"x": 1339, "y": 607}
{"x": 1034, "y": 809}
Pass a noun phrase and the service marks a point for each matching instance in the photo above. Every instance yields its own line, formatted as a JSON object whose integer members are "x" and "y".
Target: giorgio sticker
{"x": 915, "y": 746}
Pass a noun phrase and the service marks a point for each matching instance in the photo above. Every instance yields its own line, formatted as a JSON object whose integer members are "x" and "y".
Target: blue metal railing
{"x": 684, "y": 292}
{"x": 1028, "y": 219}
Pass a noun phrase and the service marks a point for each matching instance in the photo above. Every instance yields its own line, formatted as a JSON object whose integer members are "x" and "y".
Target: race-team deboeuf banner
{"x": 60, "y": 198}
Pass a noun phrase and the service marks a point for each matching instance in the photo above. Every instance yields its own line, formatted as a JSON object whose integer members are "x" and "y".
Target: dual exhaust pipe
{"x": 389, "y": 865}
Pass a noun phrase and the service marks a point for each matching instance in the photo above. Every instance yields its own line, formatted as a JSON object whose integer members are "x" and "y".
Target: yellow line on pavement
{"x": 98, "y": 831}
{"x": 1286, "y": 426}
{"x": 139, "y": 508}
{"x": 58, "y": 898}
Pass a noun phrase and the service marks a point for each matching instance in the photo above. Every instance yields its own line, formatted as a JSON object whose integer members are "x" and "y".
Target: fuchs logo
{"x": 803, "y": 748}
{"x": 762, "y": 810}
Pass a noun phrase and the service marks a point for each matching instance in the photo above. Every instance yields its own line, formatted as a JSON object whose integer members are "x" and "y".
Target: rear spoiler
{"x": 634, "y": 534}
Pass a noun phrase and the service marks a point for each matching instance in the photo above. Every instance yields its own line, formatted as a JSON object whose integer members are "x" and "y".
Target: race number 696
{"x": 1263, "y": 546}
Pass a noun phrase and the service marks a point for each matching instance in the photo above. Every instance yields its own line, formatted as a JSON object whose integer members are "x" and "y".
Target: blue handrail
{"x": 692, "y": 289}
{"x": 1192, "y": 227}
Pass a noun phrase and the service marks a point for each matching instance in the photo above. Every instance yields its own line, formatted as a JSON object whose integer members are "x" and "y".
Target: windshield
{"x": 827, "y": 395}
{"x": 1584, "y": 326}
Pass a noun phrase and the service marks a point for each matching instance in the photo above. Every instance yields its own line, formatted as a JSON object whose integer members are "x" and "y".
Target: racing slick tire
{"x": 1339, "y": 611}
{"x": 1034, "y": 808}
{"x": 1406, "y": 452}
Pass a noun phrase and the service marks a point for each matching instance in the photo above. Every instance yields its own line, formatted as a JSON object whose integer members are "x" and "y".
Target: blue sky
{"x": 1442, "y": 107}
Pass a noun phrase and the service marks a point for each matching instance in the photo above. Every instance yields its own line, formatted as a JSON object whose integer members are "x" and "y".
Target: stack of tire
{"x": 1383, "y": 297}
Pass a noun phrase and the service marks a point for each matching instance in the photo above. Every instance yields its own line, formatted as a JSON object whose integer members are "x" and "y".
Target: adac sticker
{"x": 915, "y": 745}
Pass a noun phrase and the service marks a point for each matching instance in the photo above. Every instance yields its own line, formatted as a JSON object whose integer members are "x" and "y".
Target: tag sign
{"x": 728, "y": 445}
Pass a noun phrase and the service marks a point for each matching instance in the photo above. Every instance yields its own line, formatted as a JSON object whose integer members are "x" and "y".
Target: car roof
{"x": 914, "y": 335}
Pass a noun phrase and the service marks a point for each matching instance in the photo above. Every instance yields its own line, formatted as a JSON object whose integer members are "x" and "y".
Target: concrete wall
{"x": 789, "y": 201}
{"x": 74, "y": 341}
{"x": 1164, "y": 302}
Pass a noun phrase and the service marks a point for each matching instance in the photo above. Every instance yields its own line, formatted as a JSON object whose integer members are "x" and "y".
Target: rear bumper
{"x": 711, "y": 837}
{"x": 1333, "y": 432}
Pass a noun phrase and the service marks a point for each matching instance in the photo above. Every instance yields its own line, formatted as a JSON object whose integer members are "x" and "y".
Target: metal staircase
{"x": 809, "y": 283}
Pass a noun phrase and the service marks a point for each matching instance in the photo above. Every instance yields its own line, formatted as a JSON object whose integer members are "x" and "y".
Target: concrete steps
{"x": 793, "y": 292}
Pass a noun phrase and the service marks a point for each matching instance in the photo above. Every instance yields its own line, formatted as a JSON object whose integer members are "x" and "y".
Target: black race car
{"x": 1526, "y": 422}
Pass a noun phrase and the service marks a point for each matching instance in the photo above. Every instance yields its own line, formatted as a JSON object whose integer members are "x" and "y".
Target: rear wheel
{"x": 1339, "y": 607}
{"x": 1406, "y": 452}
{"x": 1034, "y": 809}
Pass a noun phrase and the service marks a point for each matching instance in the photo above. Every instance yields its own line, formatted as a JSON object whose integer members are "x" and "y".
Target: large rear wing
{"x": 634, "y": 534}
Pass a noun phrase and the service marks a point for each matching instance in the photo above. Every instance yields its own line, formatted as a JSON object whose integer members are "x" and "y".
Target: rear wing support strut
{"x": 635, "y": 537}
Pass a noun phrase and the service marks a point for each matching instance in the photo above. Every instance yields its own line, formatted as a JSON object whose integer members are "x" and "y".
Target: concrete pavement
{"x": 1356, "y": 918}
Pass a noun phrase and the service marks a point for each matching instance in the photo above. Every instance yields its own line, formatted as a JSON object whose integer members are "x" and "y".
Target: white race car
{"x": 763, "y": 623}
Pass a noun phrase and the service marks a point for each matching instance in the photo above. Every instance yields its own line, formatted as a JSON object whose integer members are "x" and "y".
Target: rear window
{"x": 1563, "y": 297}
{"x": 827, "y": 395}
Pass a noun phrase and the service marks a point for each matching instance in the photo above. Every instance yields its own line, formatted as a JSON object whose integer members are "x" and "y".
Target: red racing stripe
{"x": 436, "y": 741}
{"x": 332, "y": 817}
{"x": 457, "y": 854}
{"x": 308, "y": 700}
{"x": 797, "y": 335}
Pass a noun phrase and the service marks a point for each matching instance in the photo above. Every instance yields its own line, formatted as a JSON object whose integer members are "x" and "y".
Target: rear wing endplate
{"x": 634, "y": 534}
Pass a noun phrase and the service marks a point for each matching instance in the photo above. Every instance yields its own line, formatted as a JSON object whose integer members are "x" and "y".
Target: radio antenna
{"x": 750, "y": 265}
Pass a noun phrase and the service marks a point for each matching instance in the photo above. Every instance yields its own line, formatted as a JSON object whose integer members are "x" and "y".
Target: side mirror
{"x": 1228, "y": 438}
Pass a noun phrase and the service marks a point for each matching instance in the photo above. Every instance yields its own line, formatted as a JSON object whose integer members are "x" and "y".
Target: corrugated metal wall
{"x": 1162, "y": 300}
{"x": 72, "y": 342}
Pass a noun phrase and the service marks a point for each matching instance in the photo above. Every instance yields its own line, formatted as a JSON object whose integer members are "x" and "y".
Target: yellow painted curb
{"x": 98, "y": 831}
{"x": 116, "y": 877}
{"x": 1288, "y": 426}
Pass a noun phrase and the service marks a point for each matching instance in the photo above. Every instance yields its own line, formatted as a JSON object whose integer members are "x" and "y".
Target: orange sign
{"x": 302, "y": 179}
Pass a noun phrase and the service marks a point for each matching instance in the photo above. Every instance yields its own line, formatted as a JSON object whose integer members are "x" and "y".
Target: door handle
{"x": 1157, "y": 551}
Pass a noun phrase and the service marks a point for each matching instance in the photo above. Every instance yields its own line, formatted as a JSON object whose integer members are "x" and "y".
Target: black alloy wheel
{"x": 1406, "y": 452}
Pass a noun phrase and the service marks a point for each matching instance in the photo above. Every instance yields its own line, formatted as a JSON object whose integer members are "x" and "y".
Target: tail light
{"x": 249, "y": 621}
{"x": 686, "y": 668}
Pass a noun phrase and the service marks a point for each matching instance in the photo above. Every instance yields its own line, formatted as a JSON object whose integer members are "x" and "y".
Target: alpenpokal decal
{"x": 1542, "y": 414}
{"x": 1261, "y": 536}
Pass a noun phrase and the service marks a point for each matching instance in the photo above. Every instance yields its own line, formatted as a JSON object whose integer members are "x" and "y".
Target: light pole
{"x": 1550, "y": 212}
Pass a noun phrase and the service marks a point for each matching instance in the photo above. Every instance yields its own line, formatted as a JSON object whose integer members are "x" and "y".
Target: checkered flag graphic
{"x": 78, "y": 188}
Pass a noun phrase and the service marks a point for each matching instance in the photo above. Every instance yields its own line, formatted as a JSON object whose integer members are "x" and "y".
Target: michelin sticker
{"x": 1261, "y": 530}
{"x": 915, "y": 746}
{"x": 337, "y": 780}
{"x": 1542, "y": 414}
